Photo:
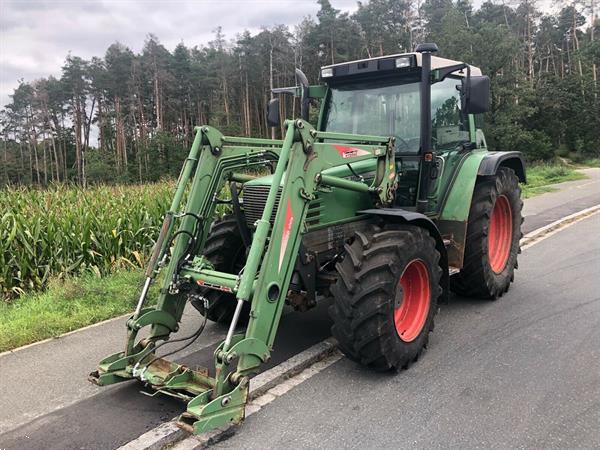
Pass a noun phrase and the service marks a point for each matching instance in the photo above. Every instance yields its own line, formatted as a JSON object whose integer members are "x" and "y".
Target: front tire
{"x": 385, "y": 296}
{"x": 493, "y": 235}
{"x": 225, "y": 249}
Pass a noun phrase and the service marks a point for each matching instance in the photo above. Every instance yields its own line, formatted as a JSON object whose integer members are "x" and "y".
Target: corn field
{"x": 64, "y": 230}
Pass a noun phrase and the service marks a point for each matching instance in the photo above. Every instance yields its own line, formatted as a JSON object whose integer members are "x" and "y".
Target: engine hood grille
{"x": 255, "y": 198}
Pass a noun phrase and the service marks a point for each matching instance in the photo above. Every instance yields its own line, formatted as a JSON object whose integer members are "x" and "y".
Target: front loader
{"x": 387, "y": 204}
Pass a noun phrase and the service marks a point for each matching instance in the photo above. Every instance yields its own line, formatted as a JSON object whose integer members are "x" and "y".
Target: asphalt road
{"x": 569, "y": 197}
{"x": 521, "y": 372}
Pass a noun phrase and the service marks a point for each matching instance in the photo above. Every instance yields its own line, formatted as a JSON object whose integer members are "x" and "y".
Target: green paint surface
{"x": 459, "y": 199}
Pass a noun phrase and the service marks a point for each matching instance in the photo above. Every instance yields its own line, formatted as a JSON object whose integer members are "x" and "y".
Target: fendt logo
{"x": 350, "y": 152}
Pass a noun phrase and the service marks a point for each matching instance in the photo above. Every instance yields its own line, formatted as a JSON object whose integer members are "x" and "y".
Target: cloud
{"x": 37, "y": 35}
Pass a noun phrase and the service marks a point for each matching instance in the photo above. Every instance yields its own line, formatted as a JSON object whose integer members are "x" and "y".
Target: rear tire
{"x": 225, "y": 249}
{"x": 493, "y": 235}
{"x": 385, "y": 296}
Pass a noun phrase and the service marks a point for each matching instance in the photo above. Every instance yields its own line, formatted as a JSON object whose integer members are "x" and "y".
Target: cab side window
{"x": 448, "y": 125}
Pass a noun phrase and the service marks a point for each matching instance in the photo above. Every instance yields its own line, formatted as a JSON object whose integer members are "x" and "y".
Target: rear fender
{"x": 494, "y": 160}
{"x": 455, "y": 209}
{"x": 396, "y": 215}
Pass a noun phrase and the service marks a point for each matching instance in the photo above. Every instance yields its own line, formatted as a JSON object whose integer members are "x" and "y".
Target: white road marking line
{"x": 538, "y": 235}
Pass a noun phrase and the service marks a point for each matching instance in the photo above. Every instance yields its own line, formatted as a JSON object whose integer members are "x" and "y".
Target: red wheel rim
{"x": 500, "y": 234}
{"x": 411, "y": 314}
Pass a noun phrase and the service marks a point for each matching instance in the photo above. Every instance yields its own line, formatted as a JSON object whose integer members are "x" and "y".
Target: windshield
{"x": 387, "y": 109}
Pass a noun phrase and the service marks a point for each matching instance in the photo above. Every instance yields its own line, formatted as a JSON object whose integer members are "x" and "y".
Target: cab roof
{"x": 387, "y": 63}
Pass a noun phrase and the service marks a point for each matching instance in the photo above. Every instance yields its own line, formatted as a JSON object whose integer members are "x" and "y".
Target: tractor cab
{"x": 383, "y": 96}
{"x": 429, "y": 105}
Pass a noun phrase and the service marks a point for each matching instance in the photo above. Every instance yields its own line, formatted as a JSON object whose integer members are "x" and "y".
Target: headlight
{"x": 327, "y": 72}
{"x": 402, "y": 62}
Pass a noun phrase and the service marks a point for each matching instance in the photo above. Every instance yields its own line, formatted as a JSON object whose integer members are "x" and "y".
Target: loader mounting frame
{"x": 218, "y": 400}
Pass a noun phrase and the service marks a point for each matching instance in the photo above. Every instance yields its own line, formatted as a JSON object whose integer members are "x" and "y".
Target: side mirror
{"x": 273, "y": 118}
{"x": 475, "y": 94}
{"x": 302, "y": 81}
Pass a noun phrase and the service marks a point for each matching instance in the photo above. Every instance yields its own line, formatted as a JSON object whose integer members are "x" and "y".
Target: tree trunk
{"x": 64, "y": 148}
{"x": 88, "y": 124}
{"x": 271, "y": 81}
{"x": 332, "y": 51}
{"x": 247, "y": 105}
{"x": 595, "y": 78}
{"x": 22, "y": 158}
{"x": 530, "y": 70}
{"x": 143, "y": 135}
{"x": 78, "y": 143}
{"x": 120, "y": 151}
{"x": 56, "y": 160}
{"x": 50, "y": 122}
{"x": 157, "y": 102}
{"x": 576, "y": 50}
{"x": 186, "y": 127}
{"x": 226, "y": 99}
{"x": 45, "y": 163}
{"x": 33, "y": 137}
{"x": 100, "y": 124}
{"x": 30, "y": 161}
{"x": 57, "y": 130}
{"x": 6, "y": 159}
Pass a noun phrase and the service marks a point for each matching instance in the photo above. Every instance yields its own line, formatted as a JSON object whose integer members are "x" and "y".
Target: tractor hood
{"x": 331, "y": 205}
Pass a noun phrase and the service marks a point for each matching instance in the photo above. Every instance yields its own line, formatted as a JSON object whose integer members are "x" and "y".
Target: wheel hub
{"x": 411, "y": 313}
{"x": 500, "y": 234}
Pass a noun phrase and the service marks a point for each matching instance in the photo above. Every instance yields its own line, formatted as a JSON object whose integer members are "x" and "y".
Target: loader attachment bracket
{"x": 204, "y": 414}
{"x": 249, "y": 347}
{"x": 151, "y": 316}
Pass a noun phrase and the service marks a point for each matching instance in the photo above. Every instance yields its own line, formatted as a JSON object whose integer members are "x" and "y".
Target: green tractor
{"x": 385, "y": 206}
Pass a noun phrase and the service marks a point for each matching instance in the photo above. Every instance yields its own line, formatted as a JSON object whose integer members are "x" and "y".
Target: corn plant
{"x": 64, "y": 231}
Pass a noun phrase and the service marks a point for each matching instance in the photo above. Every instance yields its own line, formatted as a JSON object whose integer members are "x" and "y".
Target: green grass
{"x": 67, "y": 305}
{"x": 592, "y": 162}
{"x": 540, "y": 177}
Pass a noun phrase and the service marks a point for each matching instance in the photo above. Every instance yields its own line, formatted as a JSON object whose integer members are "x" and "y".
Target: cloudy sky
{"x": 36, "y": 35}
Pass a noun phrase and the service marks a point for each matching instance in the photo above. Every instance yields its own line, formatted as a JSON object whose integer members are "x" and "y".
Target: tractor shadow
{"x": 453, "y": 334}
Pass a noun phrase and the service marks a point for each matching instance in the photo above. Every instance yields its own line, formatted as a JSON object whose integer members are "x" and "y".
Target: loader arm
{"x": 264, "y": 281}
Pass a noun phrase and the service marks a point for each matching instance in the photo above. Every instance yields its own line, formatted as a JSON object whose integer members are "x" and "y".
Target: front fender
{"x": 398, "y": 215}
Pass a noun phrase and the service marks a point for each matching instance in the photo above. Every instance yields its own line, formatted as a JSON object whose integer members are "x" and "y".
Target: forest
{"x": 128, "y": 117}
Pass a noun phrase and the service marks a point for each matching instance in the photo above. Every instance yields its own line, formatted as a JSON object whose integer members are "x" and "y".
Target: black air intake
{"x": 255, "y": 198}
